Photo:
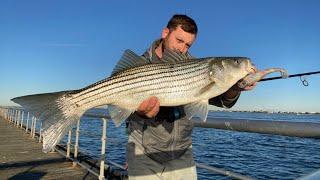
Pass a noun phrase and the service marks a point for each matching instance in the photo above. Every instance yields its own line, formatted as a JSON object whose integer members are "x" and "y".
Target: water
{"x": 260, "y": 156}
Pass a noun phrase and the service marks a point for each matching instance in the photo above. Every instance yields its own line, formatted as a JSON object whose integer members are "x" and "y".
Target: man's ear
{"x": 165, "y": 33}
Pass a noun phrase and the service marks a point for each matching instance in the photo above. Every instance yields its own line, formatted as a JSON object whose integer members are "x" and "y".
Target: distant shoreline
{"x": 269, "y": 112}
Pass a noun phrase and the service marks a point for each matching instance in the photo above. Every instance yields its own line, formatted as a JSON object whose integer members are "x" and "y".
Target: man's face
{"x": 178, "y": 39}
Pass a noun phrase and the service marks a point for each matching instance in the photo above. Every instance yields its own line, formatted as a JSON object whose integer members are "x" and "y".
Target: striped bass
{"x": 175, "y": 81}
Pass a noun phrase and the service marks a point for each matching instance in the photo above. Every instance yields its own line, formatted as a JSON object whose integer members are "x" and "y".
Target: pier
{"x": 22, "y": 158}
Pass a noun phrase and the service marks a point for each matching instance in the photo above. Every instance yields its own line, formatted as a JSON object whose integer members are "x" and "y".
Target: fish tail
{"x": 56, "y": 112}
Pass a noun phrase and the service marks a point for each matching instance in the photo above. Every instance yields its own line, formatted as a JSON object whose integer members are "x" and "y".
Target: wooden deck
{"x": 21, "y": 157}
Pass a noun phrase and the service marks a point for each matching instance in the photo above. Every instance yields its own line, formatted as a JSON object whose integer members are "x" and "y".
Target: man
{"x": 159, "y": 144}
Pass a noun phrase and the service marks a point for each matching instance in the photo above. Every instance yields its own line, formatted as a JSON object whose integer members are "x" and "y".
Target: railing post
{"x": 76, "y": 146}
{"x": 27, "y": 123}
{"x": 9, "y": 115}
{"x": 40, "y": 132}
{"x": 34, "y": 128}
{"x": 12, "y": 116}
{"x": 22, "y": 119}
{"x": 69, "y": 143}
{"x": 103, "y": 148}
{"x": 31, "y": 127}
{"x": 19, "y": 117}
{"x": 15, "y": 116}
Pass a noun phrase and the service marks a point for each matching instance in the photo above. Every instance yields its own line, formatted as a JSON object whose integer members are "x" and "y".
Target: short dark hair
{"x": 187, "y": 23}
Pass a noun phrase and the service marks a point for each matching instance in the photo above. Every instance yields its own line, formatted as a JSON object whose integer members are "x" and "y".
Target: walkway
{"x": 21, "y": 157}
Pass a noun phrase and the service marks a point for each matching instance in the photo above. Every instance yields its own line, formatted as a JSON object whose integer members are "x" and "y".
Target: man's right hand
{"x": 149, "y": 107}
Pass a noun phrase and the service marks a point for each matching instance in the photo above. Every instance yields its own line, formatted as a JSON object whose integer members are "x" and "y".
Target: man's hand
{"x": 149, "y": 107}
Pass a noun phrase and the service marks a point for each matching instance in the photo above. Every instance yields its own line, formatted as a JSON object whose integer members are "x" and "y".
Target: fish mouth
{"x": 251, "y": 68}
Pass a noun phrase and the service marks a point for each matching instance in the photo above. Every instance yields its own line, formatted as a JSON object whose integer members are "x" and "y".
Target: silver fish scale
{"x": 171, "y": 83}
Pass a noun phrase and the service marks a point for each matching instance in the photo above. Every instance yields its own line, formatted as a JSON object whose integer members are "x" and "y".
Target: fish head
{"x": 229, "y": 70}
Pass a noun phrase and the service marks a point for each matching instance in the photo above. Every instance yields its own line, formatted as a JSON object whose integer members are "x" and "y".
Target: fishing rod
{"x": 304, "y": 81}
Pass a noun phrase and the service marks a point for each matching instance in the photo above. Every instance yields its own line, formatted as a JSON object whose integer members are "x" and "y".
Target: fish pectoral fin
{"x": 199, "y": 109}
{"x": 129, "y": 60}
{"x": 205, "y": 89}
{"x": 118, "y": 115}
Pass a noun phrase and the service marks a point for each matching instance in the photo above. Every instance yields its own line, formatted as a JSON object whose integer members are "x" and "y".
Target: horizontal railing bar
{"x": 73, "y": 160}
{"x": 285, "y": 128}
{"x": 63, "y": 153}
{"x": 116, "y": 164}
{"x": 223, "y": 172}
{"x": 312, "y": 176}
{"x": 90, "y": 115}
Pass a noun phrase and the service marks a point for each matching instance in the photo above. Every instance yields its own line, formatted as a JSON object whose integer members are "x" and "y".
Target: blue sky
{"x": 48, "y": 46}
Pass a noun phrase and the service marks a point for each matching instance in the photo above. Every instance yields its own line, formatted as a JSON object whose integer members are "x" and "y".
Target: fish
{"x": 176, "y": 80}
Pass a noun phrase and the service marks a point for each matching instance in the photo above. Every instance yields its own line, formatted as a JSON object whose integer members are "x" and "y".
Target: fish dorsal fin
{"x": 199, "y": 109}
{"x": 129, "y": 60}
{"x": 169, "y": 56}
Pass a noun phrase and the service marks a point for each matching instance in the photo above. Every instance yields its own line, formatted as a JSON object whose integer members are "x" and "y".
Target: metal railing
{"x": 15, "y": 115}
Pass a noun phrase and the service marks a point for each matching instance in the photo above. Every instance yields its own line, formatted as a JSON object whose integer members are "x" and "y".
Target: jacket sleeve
{"x": 223, "y": 102}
